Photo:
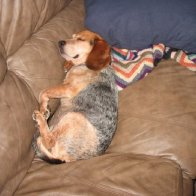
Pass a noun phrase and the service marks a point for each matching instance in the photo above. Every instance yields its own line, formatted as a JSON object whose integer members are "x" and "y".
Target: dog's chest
{"x": 75, "y": 73}
{"x": 80, "y": 74}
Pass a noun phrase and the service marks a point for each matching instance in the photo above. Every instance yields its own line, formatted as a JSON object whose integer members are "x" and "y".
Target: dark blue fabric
{"x": 137, "y": 24}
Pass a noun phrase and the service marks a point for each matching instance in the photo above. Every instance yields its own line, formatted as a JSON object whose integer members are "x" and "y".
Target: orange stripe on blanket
{"x": 183, "y": 62}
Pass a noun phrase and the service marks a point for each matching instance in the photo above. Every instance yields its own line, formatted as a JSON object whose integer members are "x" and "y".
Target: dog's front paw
{"x": 37, "y": 117}
{"x": 45, "y": 112}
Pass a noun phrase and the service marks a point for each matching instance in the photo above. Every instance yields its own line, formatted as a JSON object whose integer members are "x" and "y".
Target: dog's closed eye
{"x": 80, "y": 39}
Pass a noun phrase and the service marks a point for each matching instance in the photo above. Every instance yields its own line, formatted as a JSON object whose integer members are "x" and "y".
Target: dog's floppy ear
{"x": 99, "y": 57}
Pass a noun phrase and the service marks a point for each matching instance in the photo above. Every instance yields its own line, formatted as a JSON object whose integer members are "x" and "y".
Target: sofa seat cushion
{"x": 117, "y": 174}
{"x": 157, "y": 116}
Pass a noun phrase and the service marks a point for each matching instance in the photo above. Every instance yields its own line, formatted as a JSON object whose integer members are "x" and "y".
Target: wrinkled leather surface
{"x": 117, "y": 174}
{"x": 20, "y": 19}
{"x": 153, "y": 150}
{"x": 29, "y": 62}
{"x": 158, "y": 116}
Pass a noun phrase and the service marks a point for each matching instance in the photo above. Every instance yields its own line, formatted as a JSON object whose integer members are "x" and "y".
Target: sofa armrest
{"x": 29, "y": 63}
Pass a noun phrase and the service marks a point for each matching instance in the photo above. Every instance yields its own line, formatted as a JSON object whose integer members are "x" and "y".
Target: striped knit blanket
{"x": 133, "y": 65}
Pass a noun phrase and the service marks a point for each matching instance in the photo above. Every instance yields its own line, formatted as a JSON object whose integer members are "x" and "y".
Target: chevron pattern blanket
{"x": 133, "y": 65}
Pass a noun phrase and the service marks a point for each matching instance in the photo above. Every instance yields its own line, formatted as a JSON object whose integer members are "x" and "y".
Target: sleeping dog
{"x": 85, "y": 122}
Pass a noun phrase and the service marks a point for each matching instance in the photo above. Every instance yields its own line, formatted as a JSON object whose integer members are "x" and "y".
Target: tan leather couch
{"x": 154, "y": 150}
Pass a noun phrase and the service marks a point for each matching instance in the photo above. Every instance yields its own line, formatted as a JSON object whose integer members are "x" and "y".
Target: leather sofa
{"x": 153, "y": 151}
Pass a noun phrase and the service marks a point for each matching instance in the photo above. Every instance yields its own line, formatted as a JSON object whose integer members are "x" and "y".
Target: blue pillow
{"x": 137, "y": 24}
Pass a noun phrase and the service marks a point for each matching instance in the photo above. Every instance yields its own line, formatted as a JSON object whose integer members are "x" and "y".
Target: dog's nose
{"x": 62, "y": 43}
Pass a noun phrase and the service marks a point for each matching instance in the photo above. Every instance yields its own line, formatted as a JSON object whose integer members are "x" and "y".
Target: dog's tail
{"x": 50, "y": 160}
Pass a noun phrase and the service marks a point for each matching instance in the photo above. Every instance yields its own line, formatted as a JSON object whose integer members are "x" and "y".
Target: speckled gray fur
{"x": 99, "y": 104}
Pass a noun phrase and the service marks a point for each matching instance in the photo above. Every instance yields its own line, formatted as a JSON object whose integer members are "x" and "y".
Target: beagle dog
{"x": 85, "y": 122}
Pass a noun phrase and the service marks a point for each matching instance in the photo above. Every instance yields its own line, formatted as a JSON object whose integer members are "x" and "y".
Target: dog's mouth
{"x": 76, "y": 56}
{"x": 67, "y": 56}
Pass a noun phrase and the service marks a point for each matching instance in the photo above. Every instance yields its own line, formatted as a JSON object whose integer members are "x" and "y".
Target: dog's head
{"x": 86, "y": 47}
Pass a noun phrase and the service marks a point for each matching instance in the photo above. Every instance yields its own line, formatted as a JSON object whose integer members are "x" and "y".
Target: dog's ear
{"x": 99, "y": 57}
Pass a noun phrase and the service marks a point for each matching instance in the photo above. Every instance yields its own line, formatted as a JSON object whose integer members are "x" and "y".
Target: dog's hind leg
{"x": 48, "y": 137}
